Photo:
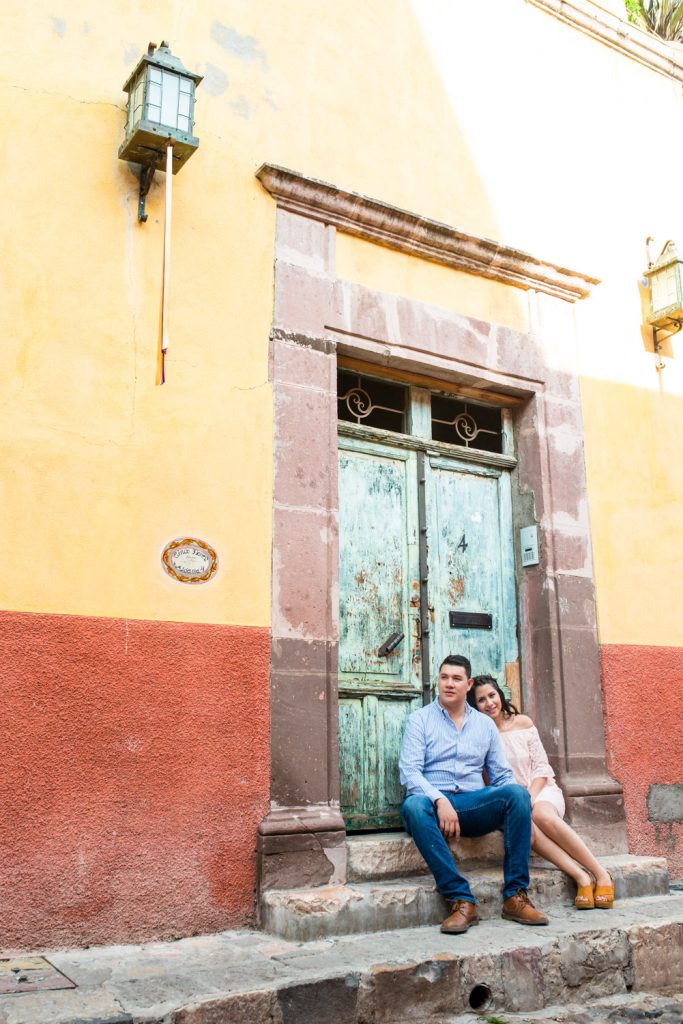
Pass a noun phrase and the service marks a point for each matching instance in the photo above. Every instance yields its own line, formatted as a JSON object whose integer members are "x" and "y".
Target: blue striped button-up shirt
{"x": 436, "y": 758}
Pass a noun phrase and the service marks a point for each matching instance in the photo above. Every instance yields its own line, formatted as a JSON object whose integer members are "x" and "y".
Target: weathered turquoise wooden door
{"x": 471, "y": 567}
{"x": 468, "y": 584}
{"x": 378, "y": 599}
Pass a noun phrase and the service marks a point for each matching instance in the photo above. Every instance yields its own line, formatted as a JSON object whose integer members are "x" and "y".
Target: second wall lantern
{"x": 666, "y": 289}
{"x": 160, "y": 111}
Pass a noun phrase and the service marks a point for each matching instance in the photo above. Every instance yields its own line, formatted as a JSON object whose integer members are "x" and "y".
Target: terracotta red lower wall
{"x": 134, "y": 770}
{"x": 643, "y": 691}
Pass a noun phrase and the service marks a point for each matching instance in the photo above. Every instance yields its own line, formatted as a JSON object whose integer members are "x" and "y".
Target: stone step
{"x": 420, "y": 975}
{"x": 397, "y": 977}
{"x": 394, "y": 854}
{"x": 304, "y": 915}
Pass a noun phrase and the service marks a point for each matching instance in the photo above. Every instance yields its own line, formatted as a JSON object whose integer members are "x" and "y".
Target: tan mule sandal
{"x": 604, "y": 896}
{"x": 585, "y": 897}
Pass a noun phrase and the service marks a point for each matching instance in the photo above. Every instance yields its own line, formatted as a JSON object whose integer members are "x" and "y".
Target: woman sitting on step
{"x": 551, "y": 837}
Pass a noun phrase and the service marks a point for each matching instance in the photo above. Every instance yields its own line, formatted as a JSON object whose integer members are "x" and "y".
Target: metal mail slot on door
{"x": 390, "y": 645}
{"x": 470, "y": 620}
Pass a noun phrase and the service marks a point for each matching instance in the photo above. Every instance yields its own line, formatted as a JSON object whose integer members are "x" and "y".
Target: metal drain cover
{"x": 31, "y": 974}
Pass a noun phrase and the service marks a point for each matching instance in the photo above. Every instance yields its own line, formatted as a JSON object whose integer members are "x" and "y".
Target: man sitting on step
{"x": 446, "y": 747}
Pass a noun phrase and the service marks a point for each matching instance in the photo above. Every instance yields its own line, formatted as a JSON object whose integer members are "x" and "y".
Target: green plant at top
{"x": 633, "y": 11}
{"x": 663, "y": 17}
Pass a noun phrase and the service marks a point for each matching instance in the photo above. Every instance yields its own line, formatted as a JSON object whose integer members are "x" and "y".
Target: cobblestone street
{"x": 580, "y": 969}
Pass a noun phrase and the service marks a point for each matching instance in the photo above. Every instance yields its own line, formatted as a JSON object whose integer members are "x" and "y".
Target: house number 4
{"x": 462, "y": 546}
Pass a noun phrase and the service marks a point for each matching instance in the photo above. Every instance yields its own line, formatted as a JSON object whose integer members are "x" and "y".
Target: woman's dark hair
{"x": 507, "y": 705}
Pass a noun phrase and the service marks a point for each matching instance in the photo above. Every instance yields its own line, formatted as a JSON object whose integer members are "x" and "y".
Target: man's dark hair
{"x": 457, "y": 659}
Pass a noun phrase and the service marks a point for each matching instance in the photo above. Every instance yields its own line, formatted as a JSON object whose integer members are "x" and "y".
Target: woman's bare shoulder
{"x": 522, "y": 722}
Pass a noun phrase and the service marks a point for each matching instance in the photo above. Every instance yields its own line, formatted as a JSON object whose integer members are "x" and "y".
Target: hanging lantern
{"x": 159, "y": 135}
{"x": 161, "y": 95}
{"x": 666, "y": 289}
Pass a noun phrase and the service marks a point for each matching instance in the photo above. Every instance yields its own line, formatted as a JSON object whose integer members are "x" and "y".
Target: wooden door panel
{"x": 471, "y": 565}
{"x": 373, "y": 583}
{"x": 391, "y": 719}
{"x": 370, "y": 734}
{"x": 351, "y": 755}
{"x": 379, "y": 557}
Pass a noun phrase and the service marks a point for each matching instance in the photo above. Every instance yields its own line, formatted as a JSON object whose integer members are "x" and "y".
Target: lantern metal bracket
{"x": 146, "y": 175}
{"x": 667, "y": 331}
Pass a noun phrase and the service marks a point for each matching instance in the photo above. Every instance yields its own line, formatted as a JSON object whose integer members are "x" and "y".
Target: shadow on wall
{"x": 635, "y": 499}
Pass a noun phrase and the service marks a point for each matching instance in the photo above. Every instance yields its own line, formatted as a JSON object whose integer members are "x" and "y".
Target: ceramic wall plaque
{"x": 189, "y": 560}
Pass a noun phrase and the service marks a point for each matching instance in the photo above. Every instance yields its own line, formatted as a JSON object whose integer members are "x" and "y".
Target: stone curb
{"x": 567, "y": 968}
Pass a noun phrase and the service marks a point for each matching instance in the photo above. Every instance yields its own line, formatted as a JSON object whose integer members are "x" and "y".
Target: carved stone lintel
{"x": 407, "y": 232}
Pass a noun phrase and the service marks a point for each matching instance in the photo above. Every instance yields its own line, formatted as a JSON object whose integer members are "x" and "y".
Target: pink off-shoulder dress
{"x": 529, "y": 761}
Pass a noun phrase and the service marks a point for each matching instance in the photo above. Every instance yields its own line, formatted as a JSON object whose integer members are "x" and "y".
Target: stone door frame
{"x": 316, "y": 317}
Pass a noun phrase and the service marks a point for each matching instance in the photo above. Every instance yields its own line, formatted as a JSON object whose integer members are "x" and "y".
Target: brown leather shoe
{"x": 462, "y": 916}
{"x": 519, "y": 908}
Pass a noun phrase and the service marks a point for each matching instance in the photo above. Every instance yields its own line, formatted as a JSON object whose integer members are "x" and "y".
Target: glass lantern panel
{"x": 154, "y": 94}
{"x": 169, "y": 99}
{"x": 155, "y": 75}
{"x": 184, "y": 105}
{"x": 185, "y": 85}
{"x": 665, "y": 288}
{"x": 183, "y": 124}
{"x": 154, "y": 114}
{"x": 135, "y": 98}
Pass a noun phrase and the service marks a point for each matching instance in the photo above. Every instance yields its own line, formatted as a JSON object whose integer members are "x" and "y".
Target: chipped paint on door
{"x": 470, "y": 569}
{"x": 372, "y": 576}
{"x": 378, "y": 575}
{"x": 471, "y": 564}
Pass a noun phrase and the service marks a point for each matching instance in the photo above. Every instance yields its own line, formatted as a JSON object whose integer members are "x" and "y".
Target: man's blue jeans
{"x": 485, "y": 810}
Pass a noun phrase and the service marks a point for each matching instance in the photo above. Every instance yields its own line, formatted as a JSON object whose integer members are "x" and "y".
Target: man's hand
{"x": 447, "y": 818}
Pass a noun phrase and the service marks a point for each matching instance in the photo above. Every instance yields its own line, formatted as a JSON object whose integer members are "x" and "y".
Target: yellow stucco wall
{"x": 636, "y": 501}
{"x": 417, "y": 103}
